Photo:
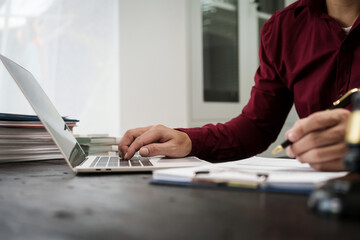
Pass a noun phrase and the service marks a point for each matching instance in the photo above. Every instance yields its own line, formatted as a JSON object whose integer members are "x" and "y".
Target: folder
{"x": 23, "y": 117}
{"x": 255, "y": 174}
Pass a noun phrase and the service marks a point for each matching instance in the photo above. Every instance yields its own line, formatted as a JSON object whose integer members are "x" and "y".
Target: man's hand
{"x": 319, "y": 140}
{"x": 155, "y": 140}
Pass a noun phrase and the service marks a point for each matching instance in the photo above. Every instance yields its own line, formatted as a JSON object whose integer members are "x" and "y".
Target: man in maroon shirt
{"x": 309, "y": 56}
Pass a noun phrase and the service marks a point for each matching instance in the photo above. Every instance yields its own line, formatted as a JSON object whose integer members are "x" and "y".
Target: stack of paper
{"x": 262, "y": 174}
{"x": 23, "y": 138}
{"x": 98, "y": 144}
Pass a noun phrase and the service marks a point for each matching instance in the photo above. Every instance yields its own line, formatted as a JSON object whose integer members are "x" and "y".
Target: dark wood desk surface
{"x": 45, "y": 200}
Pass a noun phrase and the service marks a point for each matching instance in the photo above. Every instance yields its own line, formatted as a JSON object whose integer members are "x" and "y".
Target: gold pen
{"x": 340, "y": 103}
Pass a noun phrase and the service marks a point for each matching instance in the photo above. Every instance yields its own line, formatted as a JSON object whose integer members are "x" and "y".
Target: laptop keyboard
{"x": 110, "y": 162}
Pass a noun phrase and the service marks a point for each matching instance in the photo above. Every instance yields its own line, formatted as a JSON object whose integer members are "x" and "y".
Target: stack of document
{"x": 256, "y": 173}
{"x": 23, "y": 138}
{"x": 98, "y": 144}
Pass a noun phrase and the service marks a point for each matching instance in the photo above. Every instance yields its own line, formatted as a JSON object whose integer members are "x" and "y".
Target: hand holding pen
{"x": 319, "y": 138}
{"x": 340, "y": 103}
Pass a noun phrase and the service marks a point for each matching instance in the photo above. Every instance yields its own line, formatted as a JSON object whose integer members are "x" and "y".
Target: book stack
{"x": 98, "y": 144}
{"x": 24, "y": 138}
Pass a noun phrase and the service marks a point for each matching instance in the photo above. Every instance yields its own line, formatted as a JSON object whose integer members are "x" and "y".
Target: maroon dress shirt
{"x": 306, "y": 59}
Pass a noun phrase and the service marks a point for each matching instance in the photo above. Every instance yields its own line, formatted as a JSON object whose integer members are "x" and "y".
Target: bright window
{"x": 71, "y": 47}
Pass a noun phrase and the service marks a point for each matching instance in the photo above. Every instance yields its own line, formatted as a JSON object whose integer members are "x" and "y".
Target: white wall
{"x": 155, "y": 64}
{"x": 155, "y": 67}
{"x": 153, "y": 70}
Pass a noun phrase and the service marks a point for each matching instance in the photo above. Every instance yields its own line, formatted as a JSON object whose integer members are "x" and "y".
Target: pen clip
{"x": 344, "y": 100}
{"x": 201, "y": 172}
{"x": 262, "y": 176}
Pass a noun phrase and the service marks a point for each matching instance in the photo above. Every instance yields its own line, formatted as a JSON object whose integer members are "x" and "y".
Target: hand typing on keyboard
{"x": 110, "y": 162}
{"x": 154, "y": 140}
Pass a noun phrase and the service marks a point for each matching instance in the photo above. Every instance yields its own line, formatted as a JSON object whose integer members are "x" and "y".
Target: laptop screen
{"x": 46, "y": 112}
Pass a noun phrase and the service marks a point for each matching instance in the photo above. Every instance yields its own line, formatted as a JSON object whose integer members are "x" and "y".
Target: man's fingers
{"x": 316, "y": 121}
{"x": 154, "y": 149}
{"x": 131, "y": 134}
{"x": 289, "y": 152}
{"x": 152, "y": 135}
{"x": 129, "y": 137}
{"x": 155, "y": 140}
{"x": 324, "y": 154}
{"x": 318, "y": 139}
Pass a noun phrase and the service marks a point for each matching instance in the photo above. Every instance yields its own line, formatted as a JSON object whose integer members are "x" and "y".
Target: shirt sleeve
{"x": 261, "y": 119}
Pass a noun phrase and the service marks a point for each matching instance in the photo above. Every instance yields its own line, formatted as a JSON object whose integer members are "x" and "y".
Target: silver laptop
{"x": 64, "y": 139}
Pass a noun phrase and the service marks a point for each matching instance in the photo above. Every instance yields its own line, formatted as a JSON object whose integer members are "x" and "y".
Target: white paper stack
{"x": 98, "y": 144}
{"x": 24, "y": 138}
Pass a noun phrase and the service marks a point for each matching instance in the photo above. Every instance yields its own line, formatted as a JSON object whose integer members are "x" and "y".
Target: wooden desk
{"x": 45, "y": 200}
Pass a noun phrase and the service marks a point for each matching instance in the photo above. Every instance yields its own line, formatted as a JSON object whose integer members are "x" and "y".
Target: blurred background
{"x": 121, "y": 64}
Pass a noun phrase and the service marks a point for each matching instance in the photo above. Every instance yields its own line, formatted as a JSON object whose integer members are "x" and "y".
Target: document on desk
{"x": 256, "y": 173}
